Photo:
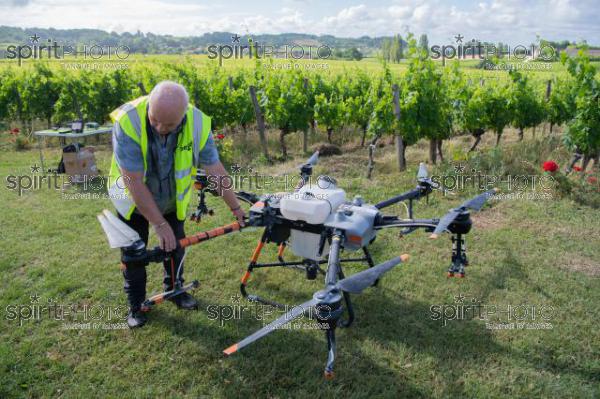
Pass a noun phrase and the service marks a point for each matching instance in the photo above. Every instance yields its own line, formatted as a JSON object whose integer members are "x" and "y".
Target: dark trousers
{"x": 135, "y": 276}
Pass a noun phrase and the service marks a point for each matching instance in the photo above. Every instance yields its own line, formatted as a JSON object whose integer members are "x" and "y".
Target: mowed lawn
{"x": 528, "y": 253}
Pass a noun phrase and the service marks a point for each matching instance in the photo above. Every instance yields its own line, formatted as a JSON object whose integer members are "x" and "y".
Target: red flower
{"x": 577, "y": 168}
{"x": 220, "y": 136}
{"x": 550, "y": 166}
{"x": 592, "y": 180}
{"x": 15, "y": 131}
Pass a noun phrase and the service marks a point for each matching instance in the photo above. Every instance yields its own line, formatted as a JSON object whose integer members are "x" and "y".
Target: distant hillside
{"x": 163, "y": 44}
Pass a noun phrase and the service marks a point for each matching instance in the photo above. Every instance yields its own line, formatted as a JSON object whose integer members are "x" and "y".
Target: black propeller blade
{"x": 314, "y": 158}
{"x": 475, "y": 203}
{"x": 354, "y": 284}
{"x": 286, "y": 318}
{"x": 423, "y": 178}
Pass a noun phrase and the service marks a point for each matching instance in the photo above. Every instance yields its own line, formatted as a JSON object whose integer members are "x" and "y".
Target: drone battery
{"x": 306, "y": 245}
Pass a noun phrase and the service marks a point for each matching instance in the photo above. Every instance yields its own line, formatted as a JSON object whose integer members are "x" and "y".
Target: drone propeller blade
{"x": 422, "y": 174}
{"x": 356, "y": 283}
{"x": 294, "y": 313}
{"x": 424, "y": 179}
{"x": 118, "y": 233}
{"x": 477, "y": 202}
{"x": 115, "y": 238}
{"x": 445, "y": 222}
{"x": 124, "y": 228}
{"x": 314, "y": 158}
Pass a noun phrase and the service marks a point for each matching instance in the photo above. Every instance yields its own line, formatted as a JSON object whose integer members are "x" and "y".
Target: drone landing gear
{"x": 329, "y": 319}
{"x": 342, "y": 323}
{"x": 459, "y": 257}
{"x": 329, "y": 374}
{"x": 312, "y": 269}
{"x": 330, "y": 304}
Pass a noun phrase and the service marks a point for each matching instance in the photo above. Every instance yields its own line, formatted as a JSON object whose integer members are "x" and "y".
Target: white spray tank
{"x": 313, "y": 204}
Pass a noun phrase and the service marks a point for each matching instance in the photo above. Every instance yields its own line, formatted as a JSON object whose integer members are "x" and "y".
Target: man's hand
{"x": 147, "y": 206}
{"x": 166, "y": 236}
{"x": 239, "y": 215}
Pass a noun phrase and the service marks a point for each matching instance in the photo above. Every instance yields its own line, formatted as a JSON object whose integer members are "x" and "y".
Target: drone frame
{"x": 327, "y": 302}
{"x": 273, "y": 225}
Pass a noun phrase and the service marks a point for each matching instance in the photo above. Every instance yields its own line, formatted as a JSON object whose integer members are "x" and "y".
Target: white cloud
{"x": 350, "y": 15}
{"x": 420, "y": 13}
{"x": 510, "y": 21}
{"x": 403, "y": 11}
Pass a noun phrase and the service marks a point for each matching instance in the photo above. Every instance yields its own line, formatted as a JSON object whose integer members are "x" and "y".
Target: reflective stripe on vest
{"x": 131, "y": 118}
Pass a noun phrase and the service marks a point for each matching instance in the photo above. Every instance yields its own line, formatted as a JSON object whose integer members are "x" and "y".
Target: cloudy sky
{"x": 509, "y": 21}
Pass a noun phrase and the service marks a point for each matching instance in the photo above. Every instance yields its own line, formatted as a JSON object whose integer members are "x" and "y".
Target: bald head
{"x": 167, "y": 105}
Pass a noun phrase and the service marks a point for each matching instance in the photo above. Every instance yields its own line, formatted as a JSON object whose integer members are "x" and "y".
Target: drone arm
{"x": 412, "y": 194}
{"x": 247, "y": 197}
{"x": 394, "y": 221}
{"x": 207, "y": 235}
{"x": 333, "y": 266}
{"x": 140, "y": 256}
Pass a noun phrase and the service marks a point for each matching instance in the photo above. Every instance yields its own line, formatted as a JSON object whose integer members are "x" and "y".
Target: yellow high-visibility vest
{"x": 131, "y": 117}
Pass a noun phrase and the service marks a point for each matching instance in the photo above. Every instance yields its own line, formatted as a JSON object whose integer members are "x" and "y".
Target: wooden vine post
{"x": 400, "y": 147}
{"x": 260, "y": 122}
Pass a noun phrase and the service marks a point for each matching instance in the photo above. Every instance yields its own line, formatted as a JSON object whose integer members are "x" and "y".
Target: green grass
{"x": 521, "y": 253}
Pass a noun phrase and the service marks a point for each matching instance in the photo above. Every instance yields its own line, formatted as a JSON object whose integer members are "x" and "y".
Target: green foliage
{"x": 392, "y": 49}
{"x": 434, "y": 101}
{"x": 11, "y": 106}
{"x": 358, "y": 103}
{"x": 73, "y": 92}
{"x": 349, "y": 54}
{"x": 359, "y": 110}
{"x": 286, "y": 102}
{"x": 40, "y": 91}
{"x": 239, "y": 107}
{"x": 474, "y": 115}
{"x": 424, "y": 43}
{"x": 528, "y": 109}
{"x": 105, "y": 92}
{"x": 382, "y": 119}
{"x": 329, "y": 112}
{"x": 459, "y": 94}
{"x": 583, "y": 131}
{"x": 496, "y": 106}
{"x": 424, "y": 104}
{"x": 225, "y": 149}
{"x": 561, "y": 103}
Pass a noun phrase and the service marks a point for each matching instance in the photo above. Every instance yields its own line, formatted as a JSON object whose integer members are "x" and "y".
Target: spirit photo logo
{"x": 254, "y": 49}
{"x": 37, "y": 50}
{"x": 476, "y": 49}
